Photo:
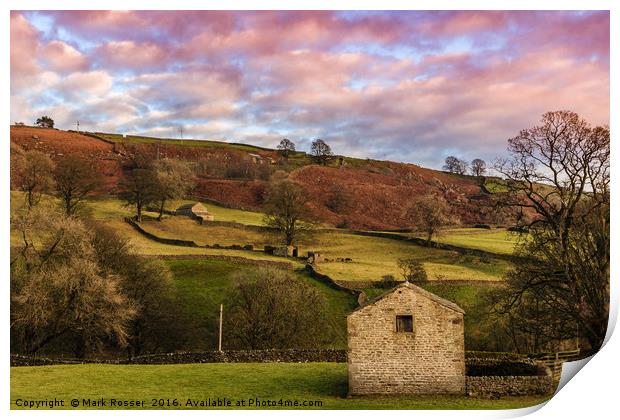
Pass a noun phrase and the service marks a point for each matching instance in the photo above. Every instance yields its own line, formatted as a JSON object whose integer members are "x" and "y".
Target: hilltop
{"x": 350, "y": 192}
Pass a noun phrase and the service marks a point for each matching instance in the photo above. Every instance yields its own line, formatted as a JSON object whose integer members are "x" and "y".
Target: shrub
{"x": 412, "y": 270}
{"x": 518, "y": 229}
{"x": 387, "y": 282}
{"x": 271, "y": 309}
{"x": 497, "y": 367}
{"x": 482, "y": 226}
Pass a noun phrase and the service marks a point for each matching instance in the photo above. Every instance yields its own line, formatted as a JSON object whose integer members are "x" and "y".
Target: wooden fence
{"x": 554, "y": 361}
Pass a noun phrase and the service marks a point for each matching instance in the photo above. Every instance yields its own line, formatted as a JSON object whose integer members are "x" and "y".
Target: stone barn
{"x": 195, "y": 210}
{"x": 406, "y": 341}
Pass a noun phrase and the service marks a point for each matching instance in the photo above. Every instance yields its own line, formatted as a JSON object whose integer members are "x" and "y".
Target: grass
{"x": 201, "y": 285}
{"x": 112, "y": 208}
{"x": 372, "y": 257}
{"x": 495, "y": 240}
{"x": 324, "y": 382}
{"x": 496, "y": 185}
{"x": 499, "y": 241}
{"x": 208, "y": 233}
{"x": 111, "y": 211}
{"x": 118, "y": 138}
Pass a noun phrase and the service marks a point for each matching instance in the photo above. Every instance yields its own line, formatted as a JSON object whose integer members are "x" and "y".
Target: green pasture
{"x": 324, "y": 385}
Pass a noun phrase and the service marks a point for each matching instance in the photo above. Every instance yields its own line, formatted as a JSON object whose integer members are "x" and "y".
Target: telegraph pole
{"x": 219, "y": 346}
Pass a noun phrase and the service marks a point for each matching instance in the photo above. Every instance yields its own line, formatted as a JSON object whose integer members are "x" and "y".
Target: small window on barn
{"x": 404, "y": 323}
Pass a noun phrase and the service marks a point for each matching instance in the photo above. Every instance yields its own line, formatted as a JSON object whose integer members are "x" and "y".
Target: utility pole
{"x": 78, "y": 125}
{"x": 219, "y": 346}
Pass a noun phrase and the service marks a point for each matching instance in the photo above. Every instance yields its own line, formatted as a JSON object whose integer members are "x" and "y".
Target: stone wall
{"x": 496, "y": 386}
{"x": 182, "y": 242}
{"x": 284, "y": 265}
{"x": 227, "y": 356}
{"x": 430, "y": 360}
{"x": 439, "y": 245}
{"x": 324, "y": 278}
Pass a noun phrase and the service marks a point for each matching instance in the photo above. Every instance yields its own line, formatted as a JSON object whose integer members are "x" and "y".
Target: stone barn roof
{"x": 420, "y": 291}
{"x": 195, "y": 207}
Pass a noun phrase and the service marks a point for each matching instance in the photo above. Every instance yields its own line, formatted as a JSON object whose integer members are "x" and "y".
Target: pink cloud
{"x": 460, "y": 23}
{"x": 84, "y": 84}
{"x": 24, "y": 44}
{"x": 130, "y": 54}
{"x": 62, "y": 57}
{"x": 411, "y": 82}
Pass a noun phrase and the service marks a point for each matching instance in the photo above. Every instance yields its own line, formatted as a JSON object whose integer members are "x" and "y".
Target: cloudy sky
{"x": 405, "y": 86}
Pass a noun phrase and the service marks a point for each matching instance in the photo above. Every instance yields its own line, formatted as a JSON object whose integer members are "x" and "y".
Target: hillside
{"x": 353, "y": 193}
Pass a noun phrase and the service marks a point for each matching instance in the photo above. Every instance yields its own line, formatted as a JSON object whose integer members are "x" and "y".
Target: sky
{"x": 408, "y": 86}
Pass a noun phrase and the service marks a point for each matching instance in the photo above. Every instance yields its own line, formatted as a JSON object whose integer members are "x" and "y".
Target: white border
{"x": 592, "y": 395}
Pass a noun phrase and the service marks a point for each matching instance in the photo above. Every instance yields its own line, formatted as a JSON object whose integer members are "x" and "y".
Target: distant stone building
{"x": 256, "y": 158}
{"x": 195, "y": 210}
{"x": 406, "y": 341}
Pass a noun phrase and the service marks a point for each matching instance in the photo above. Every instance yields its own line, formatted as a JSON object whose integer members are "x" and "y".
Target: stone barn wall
{"x": 430, "y": 360}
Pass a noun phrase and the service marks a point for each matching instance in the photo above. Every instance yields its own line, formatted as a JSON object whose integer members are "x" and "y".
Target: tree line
{"x": 320, "y": 151}
{"x": 477, "y": 167}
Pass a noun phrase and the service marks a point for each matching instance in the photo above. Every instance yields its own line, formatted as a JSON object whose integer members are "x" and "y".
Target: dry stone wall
{"x": 497, "y": 386}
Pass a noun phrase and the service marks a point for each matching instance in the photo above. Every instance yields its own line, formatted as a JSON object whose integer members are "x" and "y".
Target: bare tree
{"x": 560, "y": 171}
{"x": 173, "y": 180}
{"x": 430, "y": 213}
{"x": 455, "y": 165}
{"x": 270, "y": 308}
{"x": 412, "y": 270}
{"x": 32, "y": 173}
{"x": 286, "y": 147}
{"x": 148, "y": 284}
{"x": 286, "y": 209}
{"x": 58, "y": 289}
{"x": 139, "y": 188}
{"x": 321, "y": 152}
{"x": 75, "y": 178}
{"x": 478, "y": 167}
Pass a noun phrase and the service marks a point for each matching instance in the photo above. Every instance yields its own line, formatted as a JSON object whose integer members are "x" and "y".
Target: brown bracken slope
{"x": 359, "y": 194}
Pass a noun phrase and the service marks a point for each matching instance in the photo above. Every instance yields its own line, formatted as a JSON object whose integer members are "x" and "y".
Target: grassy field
{"x": 209, "y": 233}
{"x": 372, "y": 257}
{"x": 495, "y": 185}
{"x": 201, "y": 286}
{"x": 107, "y": 208}
{"x": 311, "y": 382}
{"x": 112, "y": 211}
{"x": 499, "y": 241}
{"x": 178, "y": 142}
{"x": 496, "y": 240}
